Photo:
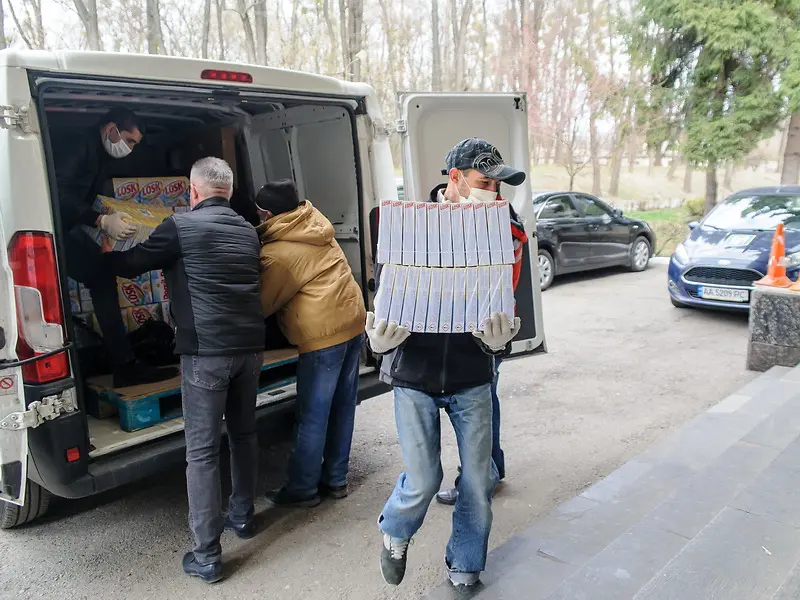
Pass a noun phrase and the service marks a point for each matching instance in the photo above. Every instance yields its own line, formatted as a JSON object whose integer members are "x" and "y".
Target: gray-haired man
{"x": 210, "y": 258}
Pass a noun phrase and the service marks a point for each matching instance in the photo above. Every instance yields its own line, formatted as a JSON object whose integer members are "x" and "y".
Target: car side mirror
{"x": 694, "y": 224}
{"x": 617, "y": 213}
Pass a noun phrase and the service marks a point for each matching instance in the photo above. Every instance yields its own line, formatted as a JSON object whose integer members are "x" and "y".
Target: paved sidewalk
{"x": 712, "y": 513}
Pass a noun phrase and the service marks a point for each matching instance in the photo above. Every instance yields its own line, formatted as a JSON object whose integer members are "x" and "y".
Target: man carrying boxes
{"x": 450, "y": 371}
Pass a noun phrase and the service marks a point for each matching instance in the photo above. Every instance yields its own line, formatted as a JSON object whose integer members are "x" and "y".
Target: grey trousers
{"x": 213, "y": 387}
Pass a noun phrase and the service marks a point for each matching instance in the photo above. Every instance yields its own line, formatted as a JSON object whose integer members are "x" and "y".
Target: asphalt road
{"x": 624, "y": 369}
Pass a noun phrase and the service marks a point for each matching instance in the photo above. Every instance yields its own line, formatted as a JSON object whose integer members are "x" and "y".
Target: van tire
{"x": 37, "y": 502}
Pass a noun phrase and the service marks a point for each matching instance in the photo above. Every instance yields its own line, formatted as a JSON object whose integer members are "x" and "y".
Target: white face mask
{"x": 477, "y": 195}
{"x": 116, "y": 149}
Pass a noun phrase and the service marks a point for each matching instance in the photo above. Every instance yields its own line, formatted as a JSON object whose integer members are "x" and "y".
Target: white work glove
{"x": 497, "y": 331}
{"x": 117, "y": 226}
{"x": 384, "y": 337}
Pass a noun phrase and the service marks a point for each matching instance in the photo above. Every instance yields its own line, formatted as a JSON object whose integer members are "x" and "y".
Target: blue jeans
{"x": 327, "y": 393}
{"x": 497, "y": 452}
{"x": 213, "y": 386}
{"x": 419, "y": 431}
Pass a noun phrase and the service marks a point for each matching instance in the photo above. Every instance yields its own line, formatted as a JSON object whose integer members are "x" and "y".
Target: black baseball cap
{"x": 478, "y": 154}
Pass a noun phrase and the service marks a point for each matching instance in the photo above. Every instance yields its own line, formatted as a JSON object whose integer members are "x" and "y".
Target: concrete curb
{"x": 659, "y": 260}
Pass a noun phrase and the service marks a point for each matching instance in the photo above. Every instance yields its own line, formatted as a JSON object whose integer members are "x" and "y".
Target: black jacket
{"x": 210, "y": 258}
{"x": 80, "y": 167}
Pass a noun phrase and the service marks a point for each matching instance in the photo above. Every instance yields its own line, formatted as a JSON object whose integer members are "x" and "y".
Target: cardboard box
{"x": 434, "y": 258}
{"x": 506, "y": 239}
{"x": 457, "y": 224}
{"x": 396, "y": 244}
{"x": 482, "y": 233}
{"x": 410, "y": 298}
{"x": 409, "y": 210}
{"x": 166, "y": 312}
{"x": 398, "y": 293}
{"x": 135, "y": 292}
{"x": 151, "y": 189}
{"x": 472, "y": 299}
{"x": 509, "y": 303}
{"x": 446, "y": 310}
{"x": 421, "y": 307}
{"x": 421, "y": 235}
{"x": 137, "y": 316}
{"x": 470, "y": 237}
{"x": 434, "y": 301}
{"x": 384, "y": 231}
{"x": 74, "y": 296}
{"x": 126, "y": 189}
{"x": 493, "y": 222}
{"x": 87, "y": 305}
{"x": 459, "y": 301}
{"x": 496, "y": 283}
{"x": 159, "y": 287}
{"x": 445, "y": 234}
{"x": 146, "y": 219}
{"x": 383, "y": 298}
{"x": 484, "y": 295}
{"x": 175, "y": 192}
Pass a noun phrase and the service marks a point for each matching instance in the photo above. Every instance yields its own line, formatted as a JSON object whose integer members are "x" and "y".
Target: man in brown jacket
{"x": 306, "y": 280}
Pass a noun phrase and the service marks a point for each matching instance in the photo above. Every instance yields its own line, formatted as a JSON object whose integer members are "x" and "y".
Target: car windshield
{"x": 756, "y": 212}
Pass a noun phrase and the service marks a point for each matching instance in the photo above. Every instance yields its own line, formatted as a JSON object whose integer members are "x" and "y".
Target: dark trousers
{"x": 327, "y": 393}
{"x": 213, "y": 387}
{"x": 85, "y": 265}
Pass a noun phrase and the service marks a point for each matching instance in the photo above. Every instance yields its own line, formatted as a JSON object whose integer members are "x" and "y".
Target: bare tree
{"x": 206, "y": 35}
{"x": 260, "y": 25}
{"x": 155, "y": 35}
{"x": 220, "y": 32}
{"x": 332, "y": 37}
{"x": 351, "y": 21}
{"x": 3, "y": 39}
{"x": 249, "y": 35}
{"x": 460, "y": 18}
{"x": 436, "y": 48}
{"x": 791, "y": 153}
{"x": 87, "y": 12}
{"x": 30, "y": 24}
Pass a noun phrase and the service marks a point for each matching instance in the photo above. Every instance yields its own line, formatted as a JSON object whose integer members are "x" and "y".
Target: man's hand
{"x": 117, "y": 225}
{"x": 384, "y": 337}
{"x": 497, "y": 331}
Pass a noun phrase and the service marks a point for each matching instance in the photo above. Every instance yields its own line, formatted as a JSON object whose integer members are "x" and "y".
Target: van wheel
{"x": 37, "y": 501}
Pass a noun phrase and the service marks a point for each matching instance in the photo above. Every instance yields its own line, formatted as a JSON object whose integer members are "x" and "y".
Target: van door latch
{"x": 46, "y": 409}
{"x": 15, "y": 116}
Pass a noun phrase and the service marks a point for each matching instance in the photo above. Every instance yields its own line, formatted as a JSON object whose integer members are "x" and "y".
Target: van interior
{"x": 263, "y": 138}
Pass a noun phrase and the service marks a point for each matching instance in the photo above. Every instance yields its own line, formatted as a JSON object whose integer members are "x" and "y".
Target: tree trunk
{"x": 673, "y": 167}
{"x": 727, "y": 182}
{"x": 484, "y": 47}
{"x": 572, "y": 181}
{"x": 687, "y": 178}
{"x": 220, "y": 28}
{"x": 355, "y": 22}
{"x": 249, "y": 35}
{"x": 260, "y": 26}
{"x": 436, "y": 49}
{"x": 87, "y": 12}
{"x": 658, "y": 156}
{"x": 389, "y": 32}
{"x": 460, "y": 25}
{"x": 711, "y": 187}
{"x": 155, "y": 37}
{"x": 3, "y": 39}
{"x": 206, "y": 29}
{"x": 791, "y": 156}
{"x": 633, "y": 152}
{"x": 332, "y": 38}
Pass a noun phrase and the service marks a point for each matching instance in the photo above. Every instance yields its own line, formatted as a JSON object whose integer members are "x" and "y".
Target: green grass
{"x": 669, "y": 225}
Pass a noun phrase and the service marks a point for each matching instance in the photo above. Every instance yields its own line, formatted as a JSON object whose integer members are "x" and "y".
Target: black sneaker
{"x": 244, "y": 531}
{"x": 394, "y": 556}
{"x": 211, "y": 573}
{"x": 285, "y": 499}
{"x": 337, "y": 492}
{"x": 137, "y": 373}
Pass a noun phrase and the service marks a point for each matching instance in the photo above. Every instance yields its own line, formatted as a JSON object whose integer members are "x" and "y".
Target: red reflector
{"x": 73, "y": 455}
{"x": 32, "y": 258}
{"x": 233, "y": 76}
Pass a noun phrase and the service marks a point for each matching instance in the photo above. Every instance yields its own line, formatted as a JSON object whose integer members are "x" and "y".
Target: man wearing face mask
{"x": 80, "y": 172}
{"x": 454, "y": 372}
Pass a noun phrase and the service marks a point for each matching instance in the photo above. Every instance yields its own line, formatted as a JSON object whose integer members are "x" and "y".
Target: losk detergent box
{"x": 398, "y": 293}
{"x": 384, "y": 231}
{"x": 159, "y": 286}
{"x": 421, "y": 235}
{"x": 484, "y": 295}
{"x": 409, "y": 210}
{"x": 434, "y": 301}
{"x": 482, "y": 233}
{"x": 459, "y": 300}
{"x": 446, "y": 310}
{"x": 151, "y": 190}
{"x": 423, "y": 293}
{"x": 137, "y": 316}
{"x": 410, "y": 299}
{"x": 506, "y": 239}
{"x": 135, "y": 292}
{"x": 457, "y": 224}
{"x": 175, "y": 193}
{"x": 446, "y": 233}
{"x": 434, "y": 258}
{"x": 470, "y": 237}
{"x": 493, "y": 222}
{"x": 396, "y": 243}
{"x": 126, "y": 189}
{"x": 507, "y": 282}
{"x": 496, "y": 283}
{"x": 472, "y": 299}
{"x": 146, "y": 219}
{"x": 383, "y": 298}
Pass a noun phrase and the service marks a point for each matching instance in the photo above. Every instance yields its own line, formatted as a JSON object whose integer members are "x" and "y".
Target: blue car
{"x": 717, "y": 265}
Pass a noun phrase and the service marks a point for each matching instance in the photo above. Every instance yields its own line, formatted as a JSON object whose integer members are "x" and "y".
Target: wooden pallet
{"x": 146, "y": 405}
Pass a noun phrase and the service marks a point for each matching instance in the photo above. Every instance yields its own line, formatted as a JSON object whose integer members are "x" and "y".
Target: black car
{"x": 578, "y": 232}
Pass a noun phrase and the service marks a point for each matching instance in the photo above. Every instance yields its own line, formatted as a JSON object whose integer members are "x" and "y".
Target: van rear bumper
{"x": 48, "y": 467}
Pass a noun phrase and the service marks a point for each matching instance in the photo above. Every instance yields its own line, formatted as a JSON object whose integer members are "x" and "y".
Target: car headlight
{"x": 681, "y": 255}
{"x": 793, "y": 260}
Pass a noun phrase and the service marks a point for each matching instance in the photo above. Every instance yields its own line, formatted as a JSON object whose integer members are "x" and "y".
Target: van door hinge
{"x": 38, "y": 412}
{"x": 400, "y": 126}
{"x": 15, "y": 116}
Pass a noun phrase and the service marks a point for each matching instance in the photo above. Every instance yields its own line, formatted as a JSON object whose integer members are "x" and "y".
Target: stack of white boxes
{"x": 446, "y": 267}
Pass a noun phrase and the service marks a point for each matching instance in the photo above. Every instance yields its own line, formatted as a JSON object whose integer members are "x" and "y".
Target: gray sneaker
{"x": 394, "y": 556}
{"x": 463, "y": 579}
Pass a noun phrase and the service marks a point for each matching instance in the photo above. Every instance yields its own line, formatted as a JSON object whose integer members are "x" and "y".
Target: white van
{"x": 328, "y": 135}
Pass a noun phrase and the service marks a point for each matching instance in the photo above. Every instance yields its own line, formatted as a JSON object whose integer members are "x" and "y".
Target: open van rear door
{"x": 430, "y": 125}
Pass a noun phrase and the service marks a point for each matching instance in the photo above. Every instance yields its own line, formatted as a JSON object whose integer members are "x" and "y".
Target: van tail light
{"x": 40, "y": 315}
{"x": 232, "y": 76}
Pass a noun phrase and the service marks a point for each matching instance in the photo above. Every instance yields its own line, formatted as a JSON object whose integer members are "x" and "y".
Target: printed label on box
{"x": 423, "y": 293}
{"x": 457, "y": 224}
{"x": 410, "y": 298}
{"x": 135, "y": 292}
{"x": 472, "y": 299}
{"x": 434, "y": 301}
{"x": 150, "y": 190}
{"x": 421, "y": 235}
{"x": 484, "y": 296}
{"x": 384, "y": 231}
{"x": 506, "y": 239}
{"x": 482, "y": 233}
{"x": 137, "y": 316}
{"x": 398, "y": 292}
{"x": 383, "y": 299}
{"x": 175, "y": 192}
{"x": 396, "y": 244}
{"x": 446, "y": 311}
{"x": 459, "y": 301}
{"x": 496, "y": 283}
{"x": 126, "y": 189}
{"x": 159, "y": 286}
{"x": 509, "y": 304}
{"x": 445, "y": 234}
{"x": 470, "y": 237}
{"x": 493, "y": 222}
{"x": 409, "y": 211}
{"x": 434, "y": 258}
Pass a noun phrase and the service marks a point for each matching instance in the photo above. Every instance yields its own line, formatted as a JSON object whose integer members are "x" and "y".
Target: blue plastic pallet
{"x": 144, "y": 406}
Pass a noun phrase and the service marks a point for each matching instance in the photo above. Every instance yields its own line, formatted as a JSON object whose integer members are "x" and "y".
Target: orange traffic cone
{"x": 776, "y": 272}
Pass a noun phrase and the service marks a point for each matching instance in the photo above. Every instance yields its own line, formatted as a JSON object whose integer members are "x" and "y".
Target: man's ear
{"x": 454, "y": 175}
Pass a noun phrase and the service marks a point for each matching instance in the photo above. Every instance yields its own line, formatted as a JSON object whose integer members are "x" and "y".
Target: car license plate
{"x": 724, "y": 294}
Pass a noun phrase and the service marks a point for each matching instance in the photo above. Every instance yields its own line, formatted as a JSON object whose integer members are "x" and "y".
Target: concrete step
{"x": 637, "y": 530}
